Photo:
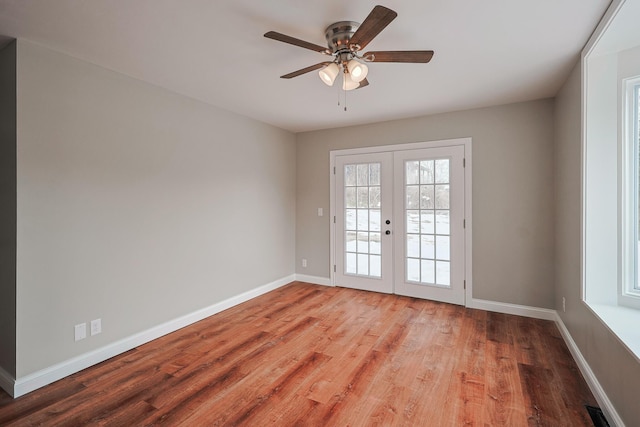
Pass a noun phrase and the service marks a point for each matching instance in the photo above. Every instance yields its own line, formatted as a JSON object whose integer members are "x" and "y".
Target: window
{"x": 630, "y": 194}
{"x": 611, "y": 172}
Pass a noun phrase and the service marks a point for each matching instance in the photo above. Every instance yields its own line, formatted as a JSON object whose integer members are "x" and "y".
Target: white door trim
{"x": 466, "y": 142}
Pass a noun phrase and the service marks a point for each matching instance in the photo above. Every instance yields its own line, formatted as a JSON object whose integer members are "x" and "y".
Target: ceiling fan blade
{"x": 363, "y": 83}
{"x": 296, "y": 42}
{"x": 305, "y": 70}
{"x": 377, "y": 20}
{"x": 420, "y": 56}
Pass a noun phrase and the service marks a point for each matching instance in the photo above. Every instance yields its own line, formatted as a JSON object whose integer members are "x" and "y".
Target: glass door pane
{"x": 362, "y": 201}
{"x": 427, "y": 210}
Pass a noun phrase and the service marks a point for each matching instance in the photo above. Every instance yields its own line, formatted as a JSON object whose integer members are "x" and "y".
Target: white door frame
{"x": 466, "y": 142}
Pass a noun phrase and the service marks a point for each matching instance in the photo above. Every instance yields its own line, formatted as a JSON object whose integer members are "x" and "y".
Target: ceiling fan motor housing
{"x": 339, "y": 34}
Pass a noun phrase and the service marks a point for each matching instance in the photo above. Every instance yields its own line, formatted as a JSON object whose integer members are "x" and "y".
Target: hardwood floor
{"x": 307, "y": 355}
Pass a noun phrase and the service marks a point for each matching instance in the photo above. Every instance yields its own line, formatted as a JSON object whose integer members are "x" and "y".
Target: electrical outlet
{"x": 80, "y": 331}
{"x": 304, "y": 262}
{"x": 96, "y": 326}
{"x": 564, "y": 305}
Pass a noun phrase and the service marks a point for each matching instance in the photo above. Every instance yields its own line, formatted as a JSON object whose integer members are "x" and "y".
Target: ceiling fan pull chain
{"x": 339, "y": 94}
{"x": 345, "y": 100}
{"x": 344, "y": 88}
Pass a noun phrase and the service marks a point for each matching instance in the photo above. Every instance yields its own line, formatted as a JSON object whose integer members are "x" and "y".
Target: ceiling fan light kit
{"x": 329, "y": 73}
{"x": 345, "y": 40}
{"x": 357, "y": 70}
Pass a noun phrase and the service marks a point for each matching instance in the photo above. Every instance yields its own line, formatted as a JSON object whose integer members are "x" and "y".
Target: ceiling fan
{"x": 345, "y": 40}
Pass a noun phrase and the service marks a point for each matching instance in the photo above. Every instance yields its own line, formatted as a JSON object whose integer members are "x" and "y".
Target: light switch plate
{"x": 80, "y": 331}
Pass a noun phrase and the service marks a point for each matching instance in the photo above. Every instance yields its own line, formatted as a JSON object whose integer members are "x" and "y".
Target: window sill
{"x": 622, "y": 321}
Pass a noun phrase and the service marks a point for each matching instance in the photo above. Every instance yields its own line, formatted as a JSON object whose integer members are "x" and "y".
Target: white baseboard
{"x": 53, "y": 373}
{"x": 598, "y": 392}
{"x": 6, "y": 382}
{"x": 316, "y": 280}
{"x": 507, "y": 308}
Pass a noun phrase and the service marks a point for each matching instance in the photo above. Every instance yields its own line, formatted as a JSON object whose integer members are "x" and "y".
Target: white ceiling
{"x": 487, "y": 52}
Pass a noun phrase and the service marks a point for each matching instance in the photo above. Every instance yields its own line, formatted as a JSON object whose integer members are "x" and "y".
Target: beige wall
{"x": 8, "y": 209}
{"x": 615, "y": 367}
{"x": 513, "y": 199}
{"x": 136, "y": 205}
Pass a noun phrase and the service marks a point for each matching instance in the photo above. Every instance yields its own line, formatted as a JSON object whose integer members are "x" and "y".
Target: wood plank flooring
{"x": 307, "y": 355}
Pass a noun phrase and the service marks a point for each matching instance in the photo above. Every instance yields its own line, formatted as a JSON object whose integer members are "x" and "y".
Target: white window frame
{"x": 602, "y": 136}
{"x": 628, "y": 285}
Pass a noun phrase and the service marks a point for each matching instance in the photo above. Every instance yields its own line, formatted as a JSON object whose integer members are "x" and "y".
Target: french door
{"x": 364, "y": 217}
{"x": 399, "y": 222}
